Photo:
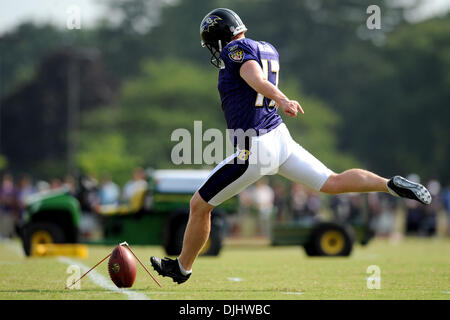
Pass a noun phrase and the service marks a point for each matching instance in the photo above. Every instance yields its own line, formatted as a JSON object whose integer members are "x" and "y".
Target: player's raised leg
{"x": 303, "y": 167}
{"x": 354, "y": 180}
{"x": 359, "y": 180}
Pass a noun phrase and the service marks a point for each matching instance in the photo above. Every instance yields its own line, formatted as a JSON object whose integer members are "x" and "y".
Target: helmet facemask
{"x": 215, "y": 60}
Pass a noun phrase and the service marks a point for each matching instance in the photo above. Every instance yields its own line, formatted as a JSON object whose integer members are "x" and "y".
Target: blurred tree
{"x": 136, "y": 16}
{"x": 407, "y": 94}
{"x": 21, "y": 49}
{"x": 3, "y": 162}
{"x": 34, "y": 120}
{"x": 106, "y": 155}
{"x": 123, "y": 34}
{"x": 168, "y": 95}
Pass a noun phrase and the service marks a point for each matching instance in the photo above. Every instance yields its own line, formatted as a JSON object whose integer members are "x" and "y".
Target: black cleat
{"x": 407, "y": 189}
{"x": 168, "y": 268}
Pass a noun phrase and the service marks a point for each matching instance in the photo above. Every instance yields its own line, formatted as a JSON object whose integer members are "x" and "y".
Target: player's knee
{"x": 194, "y": 203}
{"x": 198, "y": 205}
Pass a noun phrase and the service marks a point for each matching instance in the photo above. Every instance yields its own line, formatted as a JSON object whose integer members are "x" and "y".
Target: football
{"x": 122, "y": 267}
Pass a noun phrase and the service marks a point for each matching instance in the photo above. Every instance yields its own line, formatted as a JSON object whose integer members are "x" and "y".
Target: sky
{"x": 56, "y": 12}
{"x": 428, "y": 9}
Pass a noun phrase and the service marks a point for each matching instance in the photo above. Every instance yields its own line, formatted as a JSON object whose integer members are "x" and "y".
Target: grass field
{"x": 410, "y": 269}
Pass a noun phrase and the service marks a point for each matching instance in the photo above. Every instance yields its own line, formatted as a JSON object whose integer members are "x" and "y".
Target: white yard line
{"x": 234, "y": 279}
{"x": 103, "y": 282}
{"x": 96, "y": 277}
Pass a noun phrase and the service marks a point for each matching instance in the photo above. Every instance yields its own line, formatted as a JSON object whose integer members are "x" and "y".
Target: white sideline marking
{"x": 103, "y": 282}
{"x": 235, "y": 279}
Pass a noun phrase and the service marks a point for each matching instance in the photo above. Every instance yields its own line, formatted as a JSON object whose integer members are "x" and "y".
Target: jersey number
{"x": 274, "y": 68}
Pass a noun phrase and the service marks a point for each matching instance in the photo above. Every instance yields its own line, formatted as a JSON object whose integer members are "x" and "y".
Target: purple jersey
{"x": 244, "y": 108}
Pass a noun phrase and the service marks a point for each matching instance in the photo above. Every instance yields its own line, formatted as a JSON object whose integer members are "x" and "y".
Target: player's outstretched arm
{"x": 253, "y": 74}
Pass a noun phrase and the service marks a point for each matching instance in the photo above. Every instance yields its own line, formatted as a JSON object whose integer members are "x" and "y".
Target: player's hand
{"x": 291, "y": 107}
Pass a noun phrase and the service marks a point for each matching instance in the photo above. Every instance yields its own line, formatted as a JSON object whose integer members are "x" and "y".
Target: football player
{"x": 248, "y": 87}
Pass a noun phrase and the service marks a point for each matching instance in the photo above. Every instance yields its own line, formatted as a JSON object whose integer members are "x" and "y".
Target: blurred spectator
{"x": 109, "y": 193}
{"x": 9, "y": 207}
{"x": 356, "y": 207}
{"x": 87, "y": 195}
{"x": 347, "y": 208}
{"x": 257, "y": 203}
{"x": 374, "y": 201}
{"x": 262, "y": 197}
{"x": 421, "y": 219}
{"x": 279, "y": 200}
{"x": 69, "y": 184}
{"x": 237, "y": 223}
{"x": 446, "y": 204}
{"x": 55, "y": 183}
{"x": 245, "y": 200}
{"x": 87, "y": 192}
{"x": 26, "y": 189}
{"x": 415, "y": 212}
{"x": 137, "y": 183}
{"x": 428, "y": 225}
{"x": 42, "y": 186}
{"x": 382, "y": 209}
{"x": 298, "y": 201}
{"x": 304, "y": 203}
{"x": 313, "y": 204}
{"x": 340, "y": 205}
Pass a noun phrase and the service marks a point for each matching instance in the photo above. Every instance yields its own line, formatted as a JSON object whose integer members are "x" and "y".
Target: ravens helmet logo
{"x": 209, "y": 22}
